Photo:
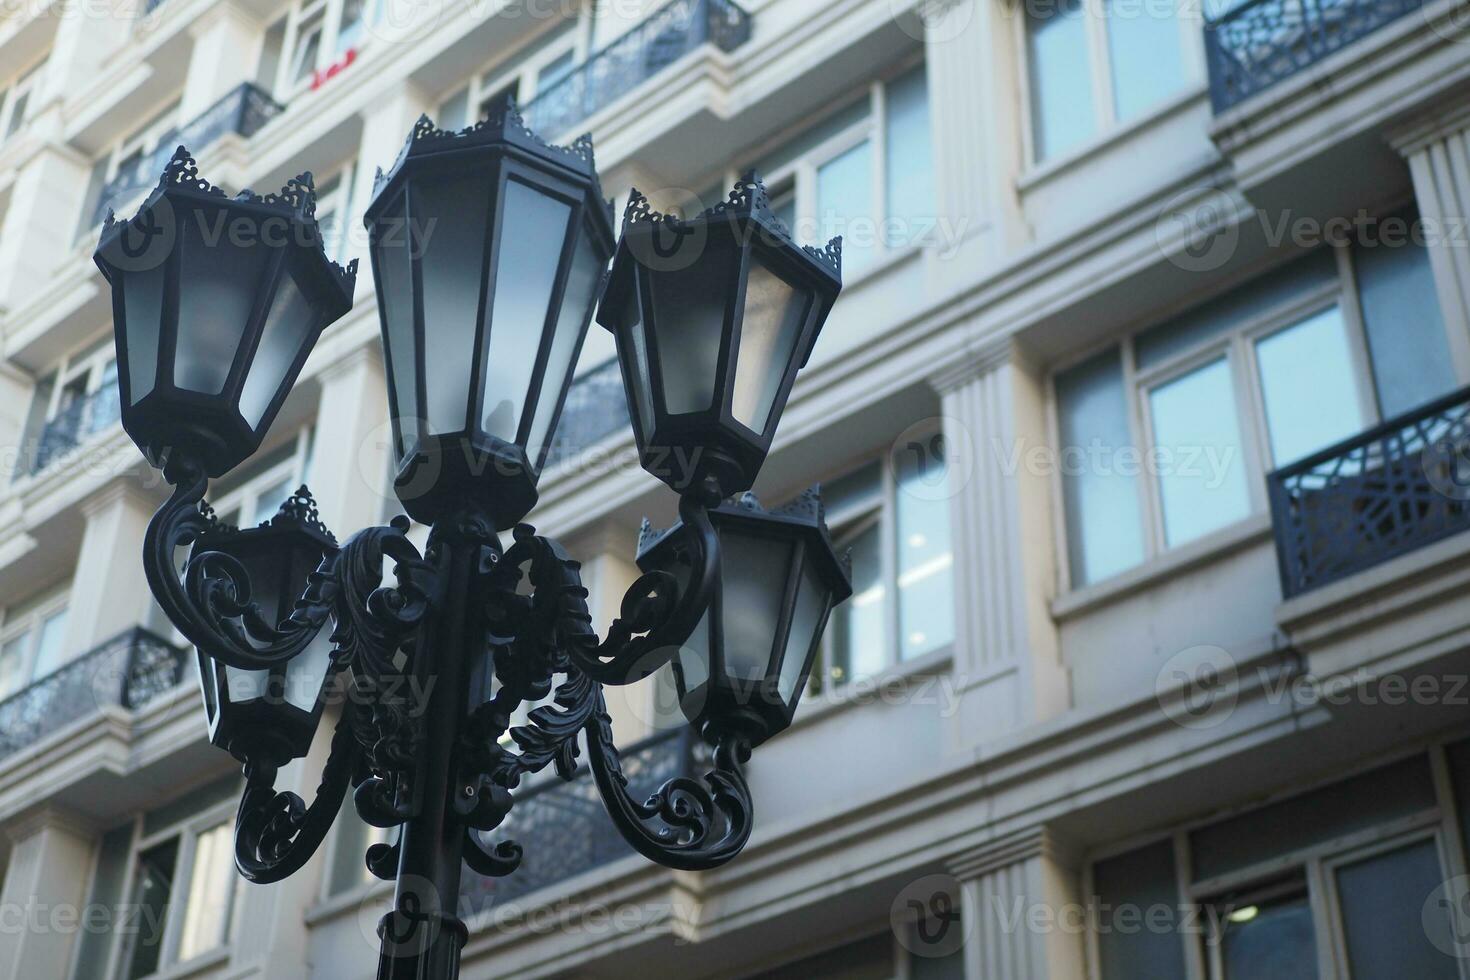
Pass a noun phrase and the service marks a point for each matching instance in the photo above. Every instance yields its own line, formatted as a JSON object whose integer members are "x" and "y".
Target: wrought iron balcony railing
{"x": 242, "y": 111}
{"x": 128, "y": 671}
{"x": 1397, "y": 487}
{"x": 563, "y": 829}
{"x": 70, "y": 427}
{"x": 596, "y": 408}
{"x": 1254, "y": 45}
{"x": 663, "y": 38}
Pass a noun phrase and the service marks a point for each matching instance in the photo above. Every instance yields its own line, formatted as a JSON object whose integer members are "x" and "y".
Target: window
{"x": 879, "y": 957}
{"x": 893, "y": 517}
{"x": 75, "y": 400}
{"x": 312, "y": 36}
{"x": 526, "y": 73}
{"x": 32, "y": 641}
{"x": 129, "y": 169}
{"x": 334, "y": 211}
{"x": 253, "y": 496}
{"x": 180, "y": 882}
{"x": 1335, "y": 882}
{"x": 1093, "y": 64}
{"x": 352, "y": 837}
{"x": 15, "y": 99}
{"x": 865, "y": 172}
{"x": 1168, "y": 437}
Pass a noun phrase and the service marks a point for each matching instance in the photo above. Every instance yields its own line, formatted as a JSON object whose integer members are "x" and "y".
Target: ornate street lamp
{"x": 485, "y": 296}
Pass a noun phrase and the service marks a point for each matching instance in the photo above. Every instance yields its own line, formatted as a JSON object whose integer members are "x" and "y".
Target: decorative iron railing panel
{"x": 242, "y": 111}
{"x": 1395, "y": 488}
{"x": 1254, "y": 45}
{"x": 667, "y": 35}
{"x": 71, "y": 426}
{"x": 596, "y": 407}
{"x": 129, "y": 671}
{"x": 563, "y": 828}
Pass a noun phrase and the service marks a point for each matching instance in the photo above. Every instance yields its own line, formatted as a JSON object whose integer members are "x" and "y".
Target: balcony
{"x": 1254, "y": 45}
{"x": 242, "y": 112}
{"x": 596, "y": 408}
{"x": 667, "y": 35}
{"x": 70, "y": 427}
{"x": 1397, "y": 487}
{"x": 127, "y": 671}
{"x": 563, "y": 828}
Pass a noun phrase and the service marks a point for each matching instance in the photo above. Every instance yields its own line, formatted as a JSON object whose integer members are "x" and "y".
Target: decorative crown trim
{"x": 749, "y": 198}
{"x": 300, "y": 508}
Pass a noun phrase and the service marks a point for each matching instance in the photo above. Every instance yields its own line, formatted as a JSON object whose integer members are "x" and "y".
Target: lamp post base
{"x": 419, "y": 946}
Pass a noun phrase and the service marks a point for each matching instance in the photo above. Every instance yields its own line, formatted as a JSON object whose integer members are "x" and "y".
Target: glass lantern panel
{"x": 753, "y": 577}
{"x": 571, "y": 326}
{"x": 394, "y": 271}
{"x": 288, "y": 325}
{"x": 689, "y": 325}
{"x": 219, "y": 281}
{"x": 307, "y": 672}
{"x": 143, "y": 309}
{"x": 246, "y": 685}
{"x": 638, "y": 345}
{"x": 774, "y": 314}
{"x": 449, "y": 217}
{"x": 694, "y": 656}
{"x": 801, "y": 639}
{"x": 533, "y": 233}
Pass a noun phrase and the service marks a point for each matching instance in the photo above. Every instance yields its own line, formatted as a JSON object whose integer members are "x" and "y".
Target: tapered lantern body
{"x": 270, "y": 714}
{"x": 745, "y": 667}
{"x": 713, "y": 318}
{"x": 489, "y": 248}
{"x": 217, "y": 302}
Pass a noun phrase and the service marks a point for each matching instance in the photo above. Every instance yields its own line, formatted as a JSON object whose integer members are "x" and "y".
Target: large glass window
{"x": 892, "y": 517}
{"x": 1168, "y": 436}
{"x": 865, "y": 172}
{"x": 1093, "y": 64}
{"x": 15, "y": 97}
{"x": 529, "y": 71}
{"x": 309, "y": 38}
{"x": 32, "y": 641}
{"x": 258, "y": 491}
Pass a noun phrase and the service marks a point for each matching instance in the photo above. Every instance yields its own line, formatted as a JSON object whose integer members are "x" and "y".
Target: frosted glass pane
{"x": 845, "y": 205}
{"x": 449, "y": 221}
{"x": 1307, "y": 384}
{"x": 246, "y": 685}
{"x": 391, "y": 263}
{"x": 811, "y": 606}
{"x": 925, "y": 552}
{"x": 1202, "y": 479}
{"x": 219, "y": 284}
{"x": 1061, "y": 84}
{"x": 571, "y": 326}
{"x": 287, "y": 325}
{"x": 859, "y": 635}
{"x": 1100, "y": 498}
{"x": 911, "y": 193}
{"x": 774, "y": 314}
{"x": 694, "y": 655}
{"x": 753, "y": 577}
{"x": 143, "y": 306}
{"x": 689, "y": 323}
{"x": 638, "y": 343}
{"x": 305, "y": 673}
{"x": 1383, "y": 903}
{"x": 533, "y": 232}
{"x": 211, "y": 886}
{"x": 1406, "y": 334}
{"x": 1146, "y": 55}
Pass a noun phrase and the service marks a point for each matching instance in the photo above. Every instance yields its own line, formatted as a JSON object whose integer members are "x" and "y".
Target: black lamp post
{"x": 489, "y": 249}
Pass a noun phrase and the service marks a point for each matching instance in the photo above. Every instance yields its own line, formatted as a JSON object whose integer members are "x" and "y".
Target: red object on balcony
{"x": 321, "y": 76}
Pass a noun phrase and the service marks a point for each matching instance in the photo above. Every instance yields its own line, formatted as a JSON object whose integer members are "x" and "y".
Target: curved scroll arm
{"x": 211, "y": 604}
{"x": 496, "y": 862}
{"x": 657, "y": 617}
{"x": 686, "y": 824}
{"x": 277, "y": 833}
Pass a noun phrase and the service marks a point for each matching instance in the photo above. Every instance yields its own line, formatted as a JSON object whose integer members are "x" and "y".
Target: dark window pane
{"x": 153, "y": 881}
{"x": 1270, "y": 941}
{"x": 1382, "y": 900}
{"x": 1137, "y": 881}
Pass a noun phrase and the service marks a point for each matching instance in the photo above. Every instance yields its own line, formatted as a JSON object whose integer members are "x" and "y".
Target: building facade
{"x": 1142, "y": 414}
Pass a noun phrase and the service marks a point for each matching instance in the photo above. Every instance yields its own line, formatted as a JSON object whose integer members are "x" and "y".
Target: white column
{"x": 1007, "y": 660}
{"x": 385, "y": 129}
{"x": 46, "y": 881}
{"x": 1438, "y": 151}
{"x": 1021, "y": 900}
{"x": 608, "y": 570}
{"x": 108, "y": 592}
{"x": 969, "y": 57}
{"x": 227, "y": 40}
{"x": 16, "y": 391}
{"x": 36, "y": 229}
{"x": 353, "y": 444}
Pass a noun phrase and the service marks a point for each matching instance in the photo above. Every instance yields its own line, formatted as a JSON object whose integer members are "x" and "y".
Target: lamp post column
{"x": 422, "y": 936}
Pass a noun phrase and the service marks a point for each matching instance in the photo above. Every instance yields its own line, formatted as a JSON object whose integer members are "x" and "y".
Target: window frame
{"x": 239, "y": 505}
{"x": 286, "y": 85}
{"x": 1106, "y": 122}
{"x": 20, "y": 87}
{"x": 338, "y": 201}
{"x": 521, "y": 69}
{"x": 187, "y": 831}
{"x": 1237, "y": 343}
{"x": 28, "y": 623}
